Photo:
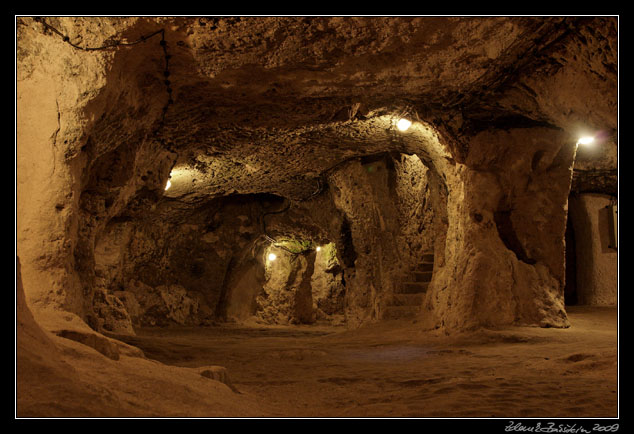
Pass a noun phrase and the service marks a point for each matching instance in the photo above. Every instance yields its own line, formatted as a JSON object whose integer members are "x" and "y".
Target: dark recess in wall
{"x": 348, "y": 254}
{"x": 570, "y": 287}
{"x": 509, "y": 237}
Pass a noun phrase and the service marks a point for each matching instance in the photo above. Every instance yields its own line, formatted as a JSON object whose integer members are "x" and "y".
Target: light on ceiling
{"x": 168, "y": 185}
{"x": 272, "y": 256}
{"x": 403, "y": 124}
{"x": 587, "y": 140}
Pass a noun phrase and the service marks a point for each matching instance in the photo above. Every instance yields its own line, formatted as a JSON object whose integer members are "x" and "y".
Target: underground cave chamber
{"x": 183, "y": 174}
{"x": 264, "y": 258}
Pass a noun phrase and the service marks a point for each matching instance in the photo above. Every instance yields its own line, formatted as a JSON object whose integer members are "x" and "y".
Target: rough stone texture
{"x": 111, "y": 313}
{"x": 274, "y": 301}
{"x": 300, "y": 108}
{"x": 162, "y": 305}
{"x": 414, "y": 204}
{"x": 244, "y": 282}
{"x": 285, "y": 127}
{"x": 86, "y": 375}
{"x": 42, "y": 374}
{"x": 286, "y": 297}
{"x": 327, "y": 287}
{"x": 217, "y": 373}
{"x": 597, "y": 278}
{"x": 370, "y": 254}
{"x": 177, "y": 261}
{"x": 96, "y": 341}
{"x": 507, "y": 211}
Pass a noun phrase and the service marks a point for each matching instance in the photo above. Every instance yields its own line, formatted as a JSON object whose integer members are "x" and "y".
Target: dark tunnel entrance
{"x": 570, "y": 288}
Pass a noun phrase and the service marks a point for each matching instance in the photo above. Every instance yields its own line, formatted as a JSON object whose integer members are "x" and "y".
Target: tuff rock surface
{"x": 284, "y": 128}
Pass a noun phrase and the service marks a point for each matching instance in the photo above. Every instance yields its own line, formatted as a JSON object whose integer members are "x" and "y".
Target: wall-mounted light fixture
{"x": 318, "y": 248}
{"x": 586, "y": 140}
{"x": 272, "y": 257}
{"x": 403, "y": 124}
{"x": 403, "y": 117}
{"x": 168, "y": 185}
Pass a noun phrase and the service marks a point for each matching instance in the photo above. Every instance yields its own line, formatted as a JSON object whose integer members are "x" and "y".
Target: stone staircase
{"x": 409, "y": 294}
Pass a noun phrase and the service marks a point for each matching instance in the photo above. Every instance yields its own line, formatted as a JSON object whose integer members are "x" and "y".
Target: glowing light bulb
{"x": 585, "y": 140}
{"x": 403, "y": 124}
{"x": 318, "y": 248}
{"x": 272, "y": 256}
{"x": 168, "y": 185}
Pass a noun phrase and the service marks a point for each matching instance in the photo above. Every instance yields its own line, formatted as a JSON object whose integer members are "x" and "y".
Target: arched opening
{"x": 379, "y": 222}
{"x": 595, "y": 256}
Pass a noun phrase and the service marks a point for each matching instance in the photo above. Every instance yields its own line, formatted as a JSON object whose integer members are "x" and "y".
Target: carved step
{"x": 428, "y": 258}
{"x": 412, "y": 287}
{"x": 407, "y": 299}
{"x": 421, "y": 276}
{"x": 425, "y": 266}
{"x": 398, "y": 312}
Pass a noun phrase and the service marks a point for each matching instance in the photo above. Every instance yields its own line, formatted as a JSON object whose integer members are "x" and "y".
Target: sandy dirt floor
{"x": 392, "y": 369}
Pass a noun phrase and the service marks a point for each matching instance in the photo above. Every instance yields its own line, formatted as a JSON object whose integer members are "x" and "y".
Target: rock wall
{"x": 186, "y": 265}
{"x": 327, "y": 286}
{"x": 597, "y": 262}
{"x": 287, "y": 296}
{"x": 100, "y": 130}
{"x": 490, "y": 216}
{"x": 302, "y": 288}
{"x": 415, "y": 207}
{"x": 200, "y": 265}
{"x": 47, "y": 187}
{"x": 382, "y": 222}
{"x": 79, "y": 160}
{"x": 504, "y": 253}
{"x": 254, "y": 114}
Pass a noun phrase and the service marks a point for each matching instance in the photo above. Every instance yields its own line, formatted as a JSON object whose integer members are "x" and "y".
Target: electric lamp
{"x": 587, "y": 140}
{"x": 403, "y": 124}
